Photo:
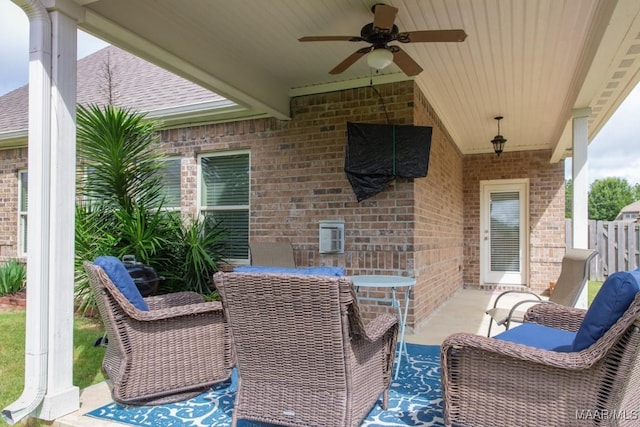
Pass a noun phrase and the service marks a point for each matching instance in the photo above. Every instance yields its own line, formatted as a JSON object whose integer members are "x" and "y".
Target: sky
{"x": 615, "y": 151}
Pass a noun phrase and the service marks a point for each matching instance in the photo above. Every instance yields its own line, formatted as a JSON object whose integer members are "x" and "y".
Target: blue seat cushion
{"x": 613, "y": 299}
{"x": 318, "y": 271}
{"x": 539, "y": 336}
{"x": 120, "y": 277}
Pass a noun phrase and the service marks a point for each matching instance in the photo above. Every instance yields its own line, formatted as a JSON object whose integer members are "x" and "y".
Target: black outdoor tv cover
{"x": 376, "y": 154}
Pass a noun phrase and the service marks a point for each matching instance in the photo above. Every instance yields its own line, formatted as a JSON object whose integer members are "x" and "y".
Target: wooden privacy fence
{"x": 617, "y": 243}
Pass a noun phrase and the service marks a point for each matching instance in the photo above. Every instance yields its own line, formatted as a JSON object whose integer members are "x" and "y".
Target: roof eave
{"x": 13, "y": 139}
{"x": 188, "y": 115}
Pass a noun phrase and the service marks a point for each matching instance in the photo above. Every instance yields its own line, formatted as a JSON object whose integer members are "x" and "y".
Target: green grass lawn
{"x": 87, "y": 359}
{"x": 593, "y": 289}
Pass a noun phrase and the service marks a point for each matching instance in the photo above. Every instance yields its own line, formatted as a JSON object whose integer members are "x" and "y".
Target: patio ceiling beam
{"x": 242, "y": 83}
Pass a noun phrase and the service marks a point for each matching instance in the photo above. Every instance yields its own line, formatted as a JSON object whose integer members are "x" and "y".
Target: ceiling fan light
{"x": 379, "y": 58}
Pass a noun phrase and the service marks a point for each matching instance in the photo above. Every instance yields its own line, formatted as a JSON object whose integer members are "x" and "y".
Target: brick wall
{"x": 439, "y": 217}
{"x": 11, "y": 161}
{"x": 298, "y": 179}
{"x": 546, "y": 211}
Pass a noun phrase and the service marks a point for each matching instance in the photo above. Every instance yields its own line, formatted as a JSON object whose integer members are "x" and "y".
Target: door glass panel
{"x": 505, "y": 231}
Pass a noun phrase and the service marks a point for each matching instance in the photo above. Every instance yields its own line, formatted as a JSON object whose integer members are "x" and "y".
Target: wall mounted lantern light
{"x": 498, "y": 141}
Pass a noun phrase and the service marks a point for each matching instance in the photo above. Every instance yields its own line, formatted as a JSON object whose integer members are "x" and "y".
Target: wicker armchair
{"x": 304, "y": 356}
{"x": 174, "y": 351}
{"x": 490, "y": 382}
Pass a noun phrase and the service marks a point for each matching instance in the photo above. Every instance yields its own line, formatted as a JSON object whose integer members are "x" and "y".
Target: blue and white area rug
{"x": 415, "y": 399}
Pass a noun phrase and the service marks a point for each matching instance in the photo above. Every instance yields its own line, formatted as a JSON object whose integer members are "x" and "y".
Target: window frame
{"x": 179, "y": 207}
{"x": 22, "y": 214}
{"x": 202, "y": 209}
{"x": 487, "y": 276}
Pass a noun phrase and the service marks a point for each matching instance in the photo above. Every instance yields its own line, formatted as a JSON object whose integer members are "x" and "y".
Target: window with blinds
{"x": 22, "y": 210}
{"x": 505, "y": 231}
{"x": 171, "y": 185}
{"x": 224, "y": 196}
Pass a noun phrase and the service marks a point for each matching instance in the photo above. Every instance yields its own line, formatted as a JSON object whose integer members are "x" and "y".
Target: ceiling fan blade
{"x": 405, "y": 62}
{"x": 330, "y": 38}
{"x": 432, "y": 36}
{"x": 384, "y": 16}
{"x": 350, "y": 60}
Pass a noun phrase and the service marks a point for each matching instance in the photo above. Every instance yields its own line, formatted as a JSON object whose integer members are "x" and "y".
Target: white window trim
{"x": 20, "y": 250}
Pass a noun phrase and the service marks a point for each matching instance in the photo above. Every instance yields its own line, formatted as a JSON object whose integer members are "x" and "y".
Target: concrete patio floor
{"x": 463, "y": 312}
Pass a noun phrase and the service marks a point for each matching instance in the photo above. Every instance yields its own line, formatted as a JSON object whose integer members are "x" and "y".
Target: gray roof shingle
{"x": 135, "y": 84}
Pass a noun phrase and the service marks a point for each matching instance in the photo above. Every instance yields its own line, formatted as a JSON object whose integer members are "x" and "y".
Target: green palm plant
{"x": 119, "y": 173}
{"x": 120, "y": 204}
{"x": 199, "y": 249}
{"x": 143, "y": 232}
{"x": 119, "y": 148}
{"x": 94, "y": 236}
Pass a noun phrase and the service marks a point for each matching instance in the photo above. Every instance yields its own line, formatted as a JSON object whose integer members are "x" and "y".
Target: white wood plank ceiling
{"x": 531, "y": 61}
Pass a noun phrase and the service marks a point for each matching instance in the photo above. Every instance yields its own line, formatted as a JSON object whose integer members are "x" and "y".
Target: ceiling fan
{"x": 379, "y": 34}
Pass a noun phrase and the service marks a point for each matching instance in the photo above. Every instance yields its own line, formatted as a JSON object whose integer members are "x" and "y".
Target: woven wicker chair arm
{"x": 175, "y": 299}
{"x": 212, "y": 307}
{"x": 380, "y": 326}
{"x": 496, "y": 348}
{"x": 555, "y": 316}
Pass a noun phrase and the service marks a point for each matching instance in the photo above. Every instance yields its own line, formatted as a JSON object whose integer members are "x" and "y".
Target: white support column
{"x": 580, "y": 176}
{"x": 49, "y": 392}
{"x": 62, "y": 397}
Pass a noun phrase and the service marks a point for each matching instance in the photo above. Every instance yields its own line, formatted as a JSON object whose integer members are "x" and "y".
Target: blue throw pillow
{"x": 539, "y": 336}
{"x": 613, "y": 299}
{"x": 120, "y": 277}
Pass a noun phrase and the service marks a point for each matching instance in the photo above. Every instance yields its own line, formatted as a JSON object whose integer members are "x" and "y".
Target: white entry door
{"x": 503, "y": 233}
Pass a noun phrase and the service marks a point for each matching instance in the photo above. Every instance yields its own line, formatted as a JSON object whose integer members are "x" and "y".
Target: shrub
{"x": 13, "y": 275}
{"x": 119, "y": 210}
{"x": 194, "y": 255}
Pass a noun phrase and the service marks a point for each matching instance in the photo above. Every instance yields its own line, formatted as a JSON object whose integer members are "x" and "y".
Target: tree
{"x": 568, "y": 198}
{"x": 119, "y": 209}
{"x": 607, "y": 196}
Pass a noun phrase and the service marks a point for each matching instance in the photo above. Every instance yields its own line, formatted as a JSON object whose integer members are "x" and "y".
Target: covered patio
{"x": 555, "y": 70}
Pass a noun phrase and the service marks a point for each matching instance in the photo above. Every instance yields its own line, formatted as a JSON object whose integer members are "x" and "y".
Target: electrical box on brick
{"x": 331, "y": 237}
